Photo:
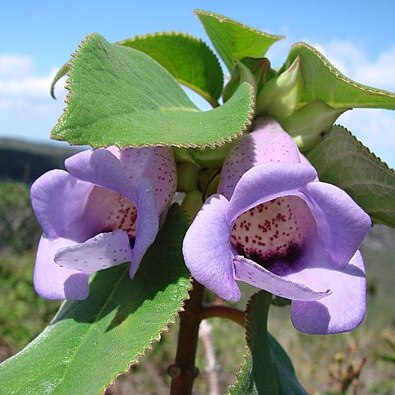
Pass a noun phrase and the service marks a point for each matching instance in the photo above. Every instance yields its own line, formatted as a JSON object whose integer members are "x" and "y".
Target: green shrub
{"x": 23, "y": 313}
{"x": 19, "y": 229}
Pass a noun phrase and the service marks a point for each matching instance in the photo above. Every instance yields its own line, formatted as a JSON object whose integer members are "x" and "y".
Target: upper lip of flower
{"x": 78, "y": 234}
{"x": 326, "y": 276}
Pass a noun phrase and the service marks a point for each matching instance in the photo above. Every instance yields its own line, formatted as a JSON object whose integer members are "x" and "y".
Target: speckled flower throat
{"x": 119, "y": 212}
{"x": 273, "y": 233}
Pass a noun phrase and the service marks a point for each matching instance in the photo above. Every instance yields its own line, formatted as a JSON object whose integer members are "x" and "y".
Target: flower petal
{"x": 59, "y": 201}
{"x": 100, "y": 252}
{"x": 267, "y": 143}
{"x": 341, "y": 223}
{"x": 341, "y": 311}
{"x": 157, "y": 165}
{"x": 147, "y": 223}
{"x": 266, "y": 182}
{"x": 250, "y": 272}
{"x": 101, "y": 167}
{"x": 54, "y": 282}
{"x": 207, "y": 250}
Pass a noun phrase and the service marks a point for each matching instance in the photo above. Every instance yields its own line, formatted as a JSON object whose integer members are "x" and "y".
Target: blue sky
{"x": 37, "y": 37}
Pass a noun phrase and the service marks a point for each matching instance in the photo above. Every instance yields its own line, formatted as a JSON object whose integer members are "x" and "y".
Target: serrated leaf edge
{"x": 333, "y": 70}
{"x": 157, "y": 338}
{"x": 249, "y": 304}
{"x": 154, "y": 340}
{"x": 209, "y": 98}
{"x": 218, "y": 143}
{"x": 238, "y": 373}
{"x": 383, "y": 165}
{"x": 373, "y": 160}
{"x": 165, "y": 329}
{"x": 67, "y": 85}
{"x": 148, "y": 347}
{"x": 222, "y": 19}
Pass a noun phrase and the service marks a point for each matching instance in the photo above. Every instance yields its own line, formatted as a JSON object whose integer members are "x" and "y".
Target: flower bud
{"x": 240, "y": 74}
{"x": 309, "y": 123}
{"x": 211, "y": 157}
{"x": 281, "y": 95}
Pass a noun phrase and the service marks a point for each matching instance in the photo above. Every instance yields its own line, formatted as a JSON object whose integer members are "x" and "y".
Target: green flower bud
{"x": 183, "y": 155}
{"x": 240, "y": 74}
{"x": 308, "y": 124}
{"x": 211, "y": 157}
{"x": 261, "y": 69}
{"x": 281, "y": 95}
{"x": 209, "y": 181}
{"x": 187, "y": 177}
{"x": 192, "y": 203}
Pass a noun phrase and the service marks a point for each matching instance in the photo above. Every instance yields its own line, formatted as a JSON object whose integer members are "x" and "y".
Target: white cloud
{"x": 14, "y": 65}
{"x": 18, "y": 80}
{"x": 381, "y": 72}
{"x": 375, "y": 128}
{"x": 26, "y": 108}
{"x": 352, "y": 61}
{"x": 27, "y": 87}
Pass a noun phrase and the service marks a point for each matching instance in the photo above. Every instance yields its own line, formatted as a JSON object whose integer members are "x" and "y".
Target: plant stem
{"x": 230, "y": 313}
{"x": 183, "y": 372}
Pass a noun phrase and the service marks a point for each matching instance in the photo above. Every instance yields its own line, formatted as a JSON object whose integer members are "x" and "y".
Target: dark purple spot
{"x": 270, "y": 259}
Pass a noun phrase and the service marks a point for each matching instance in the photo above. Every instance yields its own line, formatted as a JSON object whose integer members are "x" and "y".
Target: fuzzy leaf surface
{"x": 121, "y": 96}
{"x": 324, "y": 82}
{"x": 342, "y": 160}
{"x": 233, "y": 40}
{"x": 186, "y": 58}
{"x": 90, "y": 342}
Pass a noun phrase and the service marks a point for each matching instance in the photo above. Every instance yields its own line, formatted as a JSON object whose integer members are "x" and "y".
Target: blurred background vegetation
{"x": 361, "y": 362}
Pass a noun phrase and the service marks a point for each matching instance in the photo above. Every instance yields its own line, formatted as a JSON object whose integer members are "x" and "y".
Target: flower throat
{"x": 271, "y": 233}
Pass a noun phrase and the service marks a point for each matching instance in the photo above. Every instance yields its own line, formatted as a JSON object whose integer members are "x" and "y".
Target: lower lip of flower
{"x": 274, "y": 233}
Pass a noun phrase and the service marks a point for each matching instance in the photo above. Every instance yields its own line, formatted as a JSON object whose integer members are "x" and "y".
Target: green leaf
{"x": 90, "y": 342}
{"x": 233, "y": 40}
{"x": 342, "y": 160}
{"x": 121, "y": 96}
{"x": 280, "y": 96}
{"x": 324, "y": 82}
{"x": 187, "y": 58}
{"x": 267, "y": 369}
{"x": 245, "y": 384}
{"x": 287, "y": 380}
{"x": 241, "y": 73}
{"x": 308, "y": 124}
{"x": 263, "y": 370}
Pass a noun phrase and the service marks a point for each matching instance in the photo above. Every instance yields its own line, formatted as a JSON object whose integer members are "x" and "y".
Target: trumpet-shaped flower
{"x": 105, "y": 210}
{"x": 276, "y": 227}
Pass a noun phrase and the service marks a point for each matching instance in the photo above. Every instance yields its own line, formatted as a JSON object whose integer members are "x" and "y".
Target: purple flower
{"x": 276, "y": 227}
{"x": 104, "y": 211}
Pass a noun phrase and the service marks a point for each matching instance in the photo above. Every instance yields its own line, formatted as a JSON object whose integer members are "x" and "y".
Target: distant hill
{"x": 26, "y": 161}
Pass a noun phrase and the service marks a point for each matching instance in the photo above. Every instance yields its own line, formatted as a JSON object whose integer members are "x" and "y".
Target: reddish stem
{"x": 183, "y": 372}
{"x": 222, "y": 311}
